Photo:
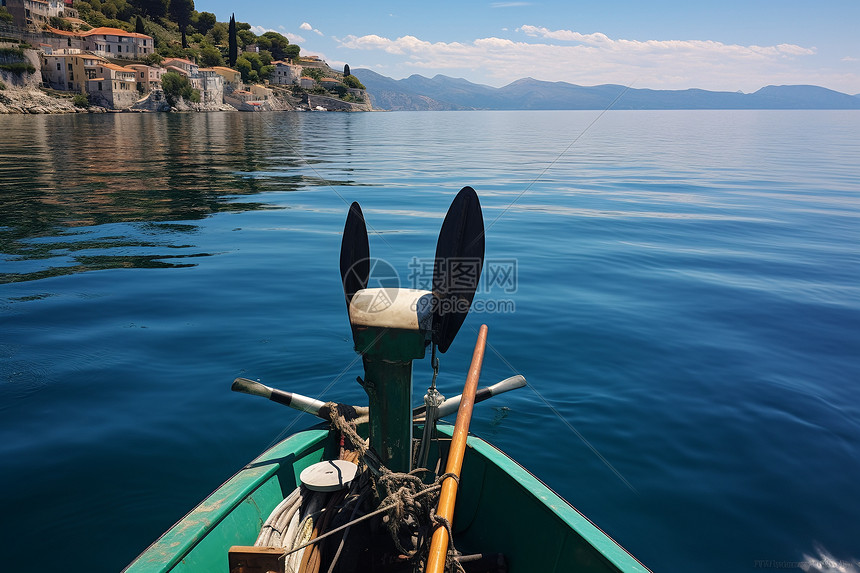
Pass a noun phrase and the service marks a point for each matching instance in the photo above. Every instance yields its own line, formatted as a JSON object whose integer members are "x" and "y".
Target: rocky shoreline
{"x": 16, "y": 100}
{"x": 22, "y": 94}
{"x": 34, "y": 101}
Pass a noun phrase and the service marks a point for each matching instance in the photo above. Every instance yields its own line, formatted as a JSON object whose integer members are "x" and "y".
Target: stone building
{"x": 148, "y": 77}
{"x": 34, "y": 14}
{"x": 285, "y": 74}
{"x": 106, "y": 42}
{"x": 67, "y": 69}
{"x": 210, "y": 85}
{"x": 113, "y": 86}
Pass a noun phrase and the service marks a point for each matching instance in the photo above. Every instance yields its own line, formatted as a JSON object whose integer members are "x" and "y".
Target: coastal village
{"x": 54, "y": 61}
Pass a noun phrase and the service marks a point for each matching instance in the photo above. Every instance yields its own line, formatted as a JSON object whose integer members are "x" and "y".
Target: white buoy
{"x": 330, "y": 475}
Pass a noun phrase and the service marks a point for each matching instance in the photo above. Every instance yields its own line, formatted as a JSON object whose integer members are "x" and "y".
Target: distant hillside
{"x": 445, "y": 93}
{"x": 389, "y": 94}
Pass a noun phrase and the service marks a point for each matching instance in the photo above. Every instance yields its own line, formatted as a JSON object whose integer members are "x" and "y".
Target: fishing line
{"x": 560, "y": 155}
{"x": 324, "y": 390}
{"x": 269, "y": 124}
{"x": 565, "y": 421}
{"x": 497, "y": 353}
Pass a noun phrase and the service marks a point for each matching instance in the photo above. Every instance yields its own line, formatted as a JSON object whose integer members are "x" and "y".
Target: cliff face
{"x": 31, "y": 100}
{"x": 12, "y": 56}
{"x": 22, "y": 93}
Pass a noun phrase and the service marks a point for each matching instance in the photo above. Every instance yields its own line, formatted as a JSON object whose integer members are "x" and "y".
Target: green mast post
{"x": 391, "y": 328}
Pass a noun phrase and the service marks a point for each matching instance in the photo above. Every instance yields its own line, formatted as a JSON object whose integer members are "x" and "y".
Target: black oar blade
{"x": 458, "y": 264}
{"x": 354, "y": 253}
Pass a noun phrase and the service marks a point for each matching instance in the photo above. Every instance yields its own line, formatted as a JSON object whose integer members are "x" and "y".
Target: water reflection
{"x": 63, "y": 178}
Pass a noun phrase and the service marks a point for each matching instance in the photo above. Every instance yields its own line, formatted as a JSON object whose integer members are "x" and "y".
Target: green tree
{"x": 352, "y": 82}
{"x": 153, "y": 59}
{"x": 151, "y": 8}
{"x": 204, "y": 22}
{"x": 291, "y": 52}
{"x": 109, "y": 9}
{"x": 210, "y": 57}
{"x": 81, "y": 100}
{"x": 176, "y": 86}
{"x": 138, "y": 25}
{"x": 60, "y": 24}
{"x": 275, "y": 43}
{"x": 180, "y": 12}
{"x": 244, "y": 67}
{"x": 233, "y": 48}
{"x": 253, "y": 58}
{"x": 246, "y": 37}
{"x": 124, "y": 10}
{"x": 5, "y": 16}
{"x": 253, "y": 67}
{"x": 346, "y": 71}
{"x": 190, "y": 53}
{"x": 339, "y": 89}
{"x": 263, "y": 43}
{"x": 217, "y": 36}
{"x": 314, "y": 73}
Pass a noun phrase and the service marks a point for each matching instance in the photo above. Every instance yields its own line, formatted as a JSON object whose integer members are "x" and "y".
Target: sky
{"x": 729, "y": 45}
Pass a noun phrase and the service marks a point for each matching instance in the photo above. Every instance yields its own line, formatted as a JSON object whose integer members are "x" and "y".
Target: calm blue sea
{"x": 680, "y": 288}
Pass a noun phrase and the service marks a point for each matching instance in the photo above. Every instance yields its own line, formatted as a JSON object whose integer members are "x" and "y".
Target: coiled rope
{"x": 406, "y": 502}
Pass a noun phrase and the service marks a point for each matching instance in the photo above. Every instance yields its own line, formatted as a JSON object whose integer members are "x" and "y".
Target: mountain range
{"x": 445, "y": 93}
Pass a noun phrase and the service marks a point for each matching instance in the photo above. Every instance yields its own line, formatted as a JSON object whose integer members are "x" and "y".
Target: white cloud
{"x": 293, "y": 38}
{"x": 260, "y": 30}
{"x": 707, "y": 47}
{"x": 588, "y": 59}
{"x": 309, "y": 28}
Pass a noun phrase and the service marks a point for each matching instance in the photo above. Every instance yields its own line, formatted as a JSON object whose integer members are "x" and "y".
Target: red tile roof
{"x": 113, "y": 32}
{"x": 99, "y": 31}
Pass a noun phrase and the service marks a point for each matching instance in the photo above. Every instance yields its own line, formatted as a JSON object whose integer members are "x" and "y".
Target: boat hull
{"x": 501, "y": 508}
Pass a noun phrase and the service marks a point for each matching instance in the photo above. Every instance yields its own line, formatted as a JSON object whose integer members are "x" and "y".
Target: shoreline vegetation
{"x": 98, "y": 56}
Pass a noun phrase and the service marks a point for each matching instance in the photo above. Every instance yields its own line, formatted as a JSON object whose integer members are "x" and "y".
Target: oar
{"x": 448, "y": 495}
{"x": 293, "y": 400}
{"x": 313, "y": 406}
{"x": 458, "y": 264}
{"x": 450, "y": 405}
{"x": 354, "y": 253}
{"x": 290, "y": 399}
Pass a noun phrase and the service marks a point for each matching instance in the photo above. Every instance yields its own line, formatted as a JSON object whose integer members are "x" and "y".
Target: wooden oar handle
{"x": 448, "y": 496}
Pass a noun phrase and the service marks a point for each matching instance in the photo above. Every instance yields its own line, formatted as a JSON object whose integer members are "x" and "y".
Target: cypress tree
{"x": 232, "y": 42}
{"x": 346, "y": 70}
{"x": 138, "y": 26}
{"x": 180, "y": 11}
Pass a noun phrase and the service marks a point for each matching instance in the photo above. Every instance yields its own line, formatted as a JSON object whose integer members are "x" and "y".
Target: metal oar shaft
{"x": 451, "y": 405}
{"x": 448, "y": 496}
